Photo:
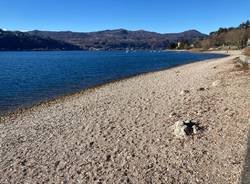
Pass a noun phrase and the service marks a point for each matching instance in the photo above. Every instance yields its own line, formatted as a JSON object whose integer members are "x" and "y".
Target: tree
{"x": 245, "y": 25}
{"x": 184, "y": 44}
{"x": 173, "y": 45}
{"x": 222, "y": 30}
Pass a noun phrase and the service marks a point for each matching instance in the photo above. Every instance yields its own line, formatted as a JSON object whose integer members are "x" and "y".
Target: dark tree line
{"x": 19, "y": 41}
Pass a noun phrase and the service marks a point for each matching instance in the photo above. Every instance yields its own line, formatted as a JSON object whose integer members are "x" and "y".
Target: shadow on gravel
{"x": 245, "y": 175}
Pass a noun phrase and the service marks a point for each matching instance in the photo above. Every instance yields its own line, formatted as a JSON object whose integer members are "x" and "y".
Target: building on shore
{"x": 248, "y": 43}
{"x": 178, "y": 45}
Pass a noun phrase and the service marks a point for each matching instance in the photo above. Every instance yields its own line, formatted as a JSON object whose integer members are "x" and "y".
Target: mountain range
{"x": 119, "y": 39}
{"x": 20, "y": 41}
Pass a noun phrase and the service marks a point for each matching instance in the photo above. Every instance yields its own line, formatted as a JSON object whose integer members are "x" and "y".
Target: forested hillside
{"x": 233, "y": 37}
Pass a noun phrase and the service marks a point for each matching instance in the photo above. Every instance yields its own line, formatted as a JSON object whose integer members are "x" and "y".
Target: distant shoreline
{"x": 226, "y": 52}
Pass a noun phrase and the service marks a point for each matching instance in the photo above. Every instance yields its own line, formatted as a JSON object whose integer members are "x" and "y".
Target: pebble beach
{"x": 123, "y": 132}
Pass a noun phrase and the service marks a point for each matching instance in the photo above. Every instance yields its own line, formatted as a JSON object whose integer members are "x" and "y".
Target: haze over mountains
{"x": 119, "y": 39}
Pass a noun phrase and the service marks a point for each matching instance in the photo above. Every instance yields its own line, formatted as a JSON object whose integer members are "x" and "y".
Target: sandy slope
{"x": 121, "y": 132}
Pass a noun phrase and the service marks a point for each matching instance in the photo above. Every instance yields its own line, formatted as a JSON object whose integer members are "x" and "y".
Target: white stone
{"x": 195, "y": 129}
{"x": 215, "y": 83}
{"x": 179, "y": 129}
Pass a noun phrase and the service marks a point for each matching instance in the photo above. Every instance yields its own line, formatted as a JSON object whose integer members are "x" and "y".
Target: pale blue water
{"x": 27, "y": 78}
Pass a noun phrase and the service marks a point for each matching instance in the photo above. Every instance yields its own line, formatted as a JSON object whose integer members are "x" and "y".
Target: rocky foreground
{"x": 126, "y": 132}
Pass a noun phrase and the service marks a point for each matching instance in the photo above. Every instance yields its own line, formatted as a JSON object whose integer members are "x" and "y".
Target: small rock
{"x": 108, "y": 158}
{"x": 23, "y": 163}
{"x": 183, "y": 129}
{"x": 215, "y": 83}
{"x": 179, "y": 129}
{"x": 183, "y": 92}
{"x": 172, "y": 114}
{"x": 201, "y": 89}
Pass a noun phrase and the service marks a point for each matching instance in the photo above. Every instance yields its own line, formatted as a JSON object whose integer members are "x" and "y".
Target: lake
{"x": 27, "y": 78}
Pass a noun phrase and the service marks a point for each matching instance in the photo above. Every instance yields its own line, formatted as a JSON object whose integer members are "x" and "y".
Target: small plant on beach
{"x": 240, "y": 65}
{"x": 247, "y": 51}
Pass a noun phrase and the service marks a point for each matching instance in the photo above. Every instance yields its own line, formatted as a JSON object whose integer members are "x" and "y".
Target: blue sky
{"x": 92, "y": 15}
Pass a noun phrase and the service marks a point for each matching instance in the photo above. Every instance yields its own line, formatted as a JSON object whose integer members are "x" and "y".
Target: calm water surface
{"x": 27, "y": 78}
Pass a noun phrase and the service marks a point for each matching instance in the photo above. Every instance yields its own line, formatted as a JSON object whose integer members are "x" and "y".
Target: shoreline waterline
{"x": 61, "y": 98}
{"x": 31, "y": 77}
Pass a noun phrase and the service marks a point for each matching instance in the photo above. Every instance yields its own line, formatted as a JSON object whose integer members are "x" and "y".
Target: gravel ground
{"x": 122, "y": 132}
